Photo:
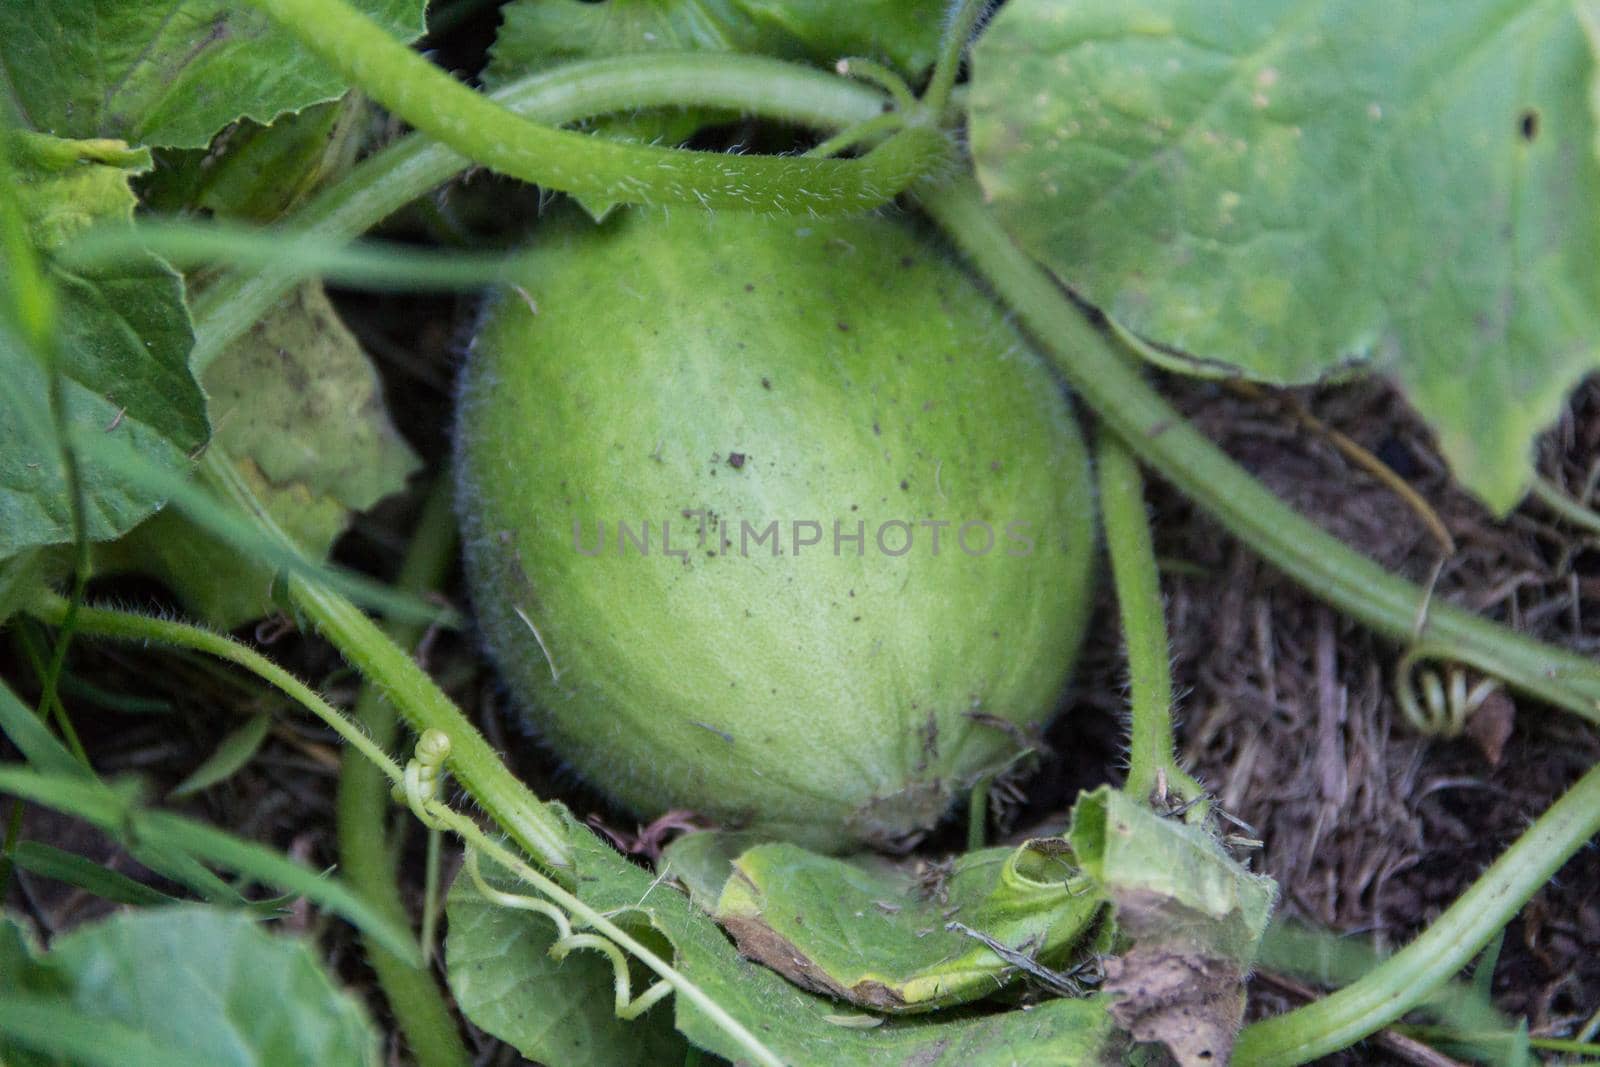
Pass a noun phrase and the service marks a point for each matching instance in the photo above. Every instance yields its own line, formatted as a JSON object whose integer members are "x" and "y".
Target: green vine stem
{"x": 1158, "y": 435}
{"x": 415, "y": 695}
{"x": 1447, "y": 945}
{"x": 1151, "y": 759}
{"x": 958, "y": 33}
{"x": 50, "y": 607}
{"x": 416, "y": 164}
{"x": 363, "y": 805}
{"x": 416, "y": 90}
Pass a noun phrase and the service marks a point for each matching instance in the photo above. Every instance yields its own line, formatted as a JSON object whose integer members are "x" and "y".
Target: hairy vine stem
{"x": 1152, "y": 763}
{"x": 406, "y": 83}
{"x": 363, "y": 805}
{"x": 414, "y": 694}
{"x": 416, "y": 164}
{"x": 52, "y": 608}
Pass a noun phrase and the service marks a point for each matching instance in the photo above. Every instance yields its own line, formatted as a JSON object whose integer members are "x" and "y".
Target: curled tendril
{"x": 626, "y": 1005}
{"x": 1437, "y": 704}
{"x": 423, "y": 777}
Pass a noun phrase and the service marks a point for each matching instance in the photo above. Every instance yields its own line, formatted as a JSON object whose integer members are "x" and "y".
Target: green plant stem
{"x": 31, "y": 298}
{"x": 415, "y": 695}
{"x": 50, "y": 698}
{"x": 54, "y": 609}
{"x": 957, "y": 35}
{"x": 1447, "y": 945}
{"x": 416, "y": 164}
{"x": 1151, "y": 758}
{"x": 413, "y": 88}
{"x": 363, "y": 805}
{"x": 1162, "y": 438}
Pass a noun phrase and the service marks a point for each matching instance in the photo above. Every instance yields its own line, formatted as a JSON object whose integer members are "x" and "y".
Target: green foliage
{"x": 506, "y": 982}
{"x": 259, "y": 172}
{"x": 299, "y": 410}
{"x": 1286, "y": 193}
{"x": 121, "y": 350}
{"x": 171, "y": 845}
{"x": 1268, "y": 190}
{"x": 800, "y": 1027}
{"x": 47, "y": 861}
{"x": 540, "y": 33}
{"x": 236, "y": 750}
{"x": 183, "y": 985}
{"x": 168, "y": 72}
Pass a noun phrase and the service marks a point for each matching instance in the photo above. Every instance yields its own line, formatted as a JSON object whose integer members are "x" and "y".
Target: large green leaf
{"x": 257, "y": 172}
{"x": 192, "y": 983}
{"x": 797, "y": 1026}
{"x": 299, "y": 408}
{"x": 162, "y": 72}
{"x": 1290, "y": 189}
{"x": 122, "y": 342}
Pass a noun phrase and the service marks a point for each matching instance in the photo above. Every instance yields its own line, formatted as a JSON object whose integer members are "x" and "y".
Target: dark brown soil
{"x": 1289, "y": 710}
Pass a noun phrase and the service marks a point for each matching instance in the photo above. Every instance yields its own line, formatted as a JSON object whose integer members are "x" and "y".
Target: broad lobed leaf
{"x": 1291, "y": 189}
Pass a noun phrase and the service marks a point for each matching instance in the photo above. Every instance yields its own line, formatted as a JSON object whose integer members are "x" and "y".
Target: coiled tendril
{"x": 419, "y": 790}
{"x": 626, "y": 1005}
{"x": 1437, "y": 704}
{"x": 423, "y": 777}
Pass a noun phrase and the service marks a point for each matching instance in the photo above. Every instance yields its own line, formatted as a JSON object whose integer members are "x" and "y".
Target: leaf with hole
{"x": 906, "y": 938}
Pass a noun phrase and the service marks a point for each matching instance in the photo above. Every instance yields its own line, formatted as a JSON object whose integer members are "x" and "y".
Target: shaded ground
{"x": 1290, "y": 714}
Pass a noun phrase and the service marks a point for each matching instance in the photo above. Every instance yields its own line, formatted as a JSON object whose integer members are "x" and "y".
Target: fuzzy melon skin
{"x": 826, "y": 699}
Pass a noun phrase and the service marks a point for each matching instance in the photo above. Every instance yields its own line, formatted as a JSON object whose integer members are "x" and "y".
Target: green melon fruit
{"x": 695, "y": 379}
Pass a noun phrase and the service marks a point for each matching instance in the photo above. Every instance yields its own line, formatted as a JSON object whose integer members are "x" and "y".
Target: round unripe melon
{"x": 779, "y": 521}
